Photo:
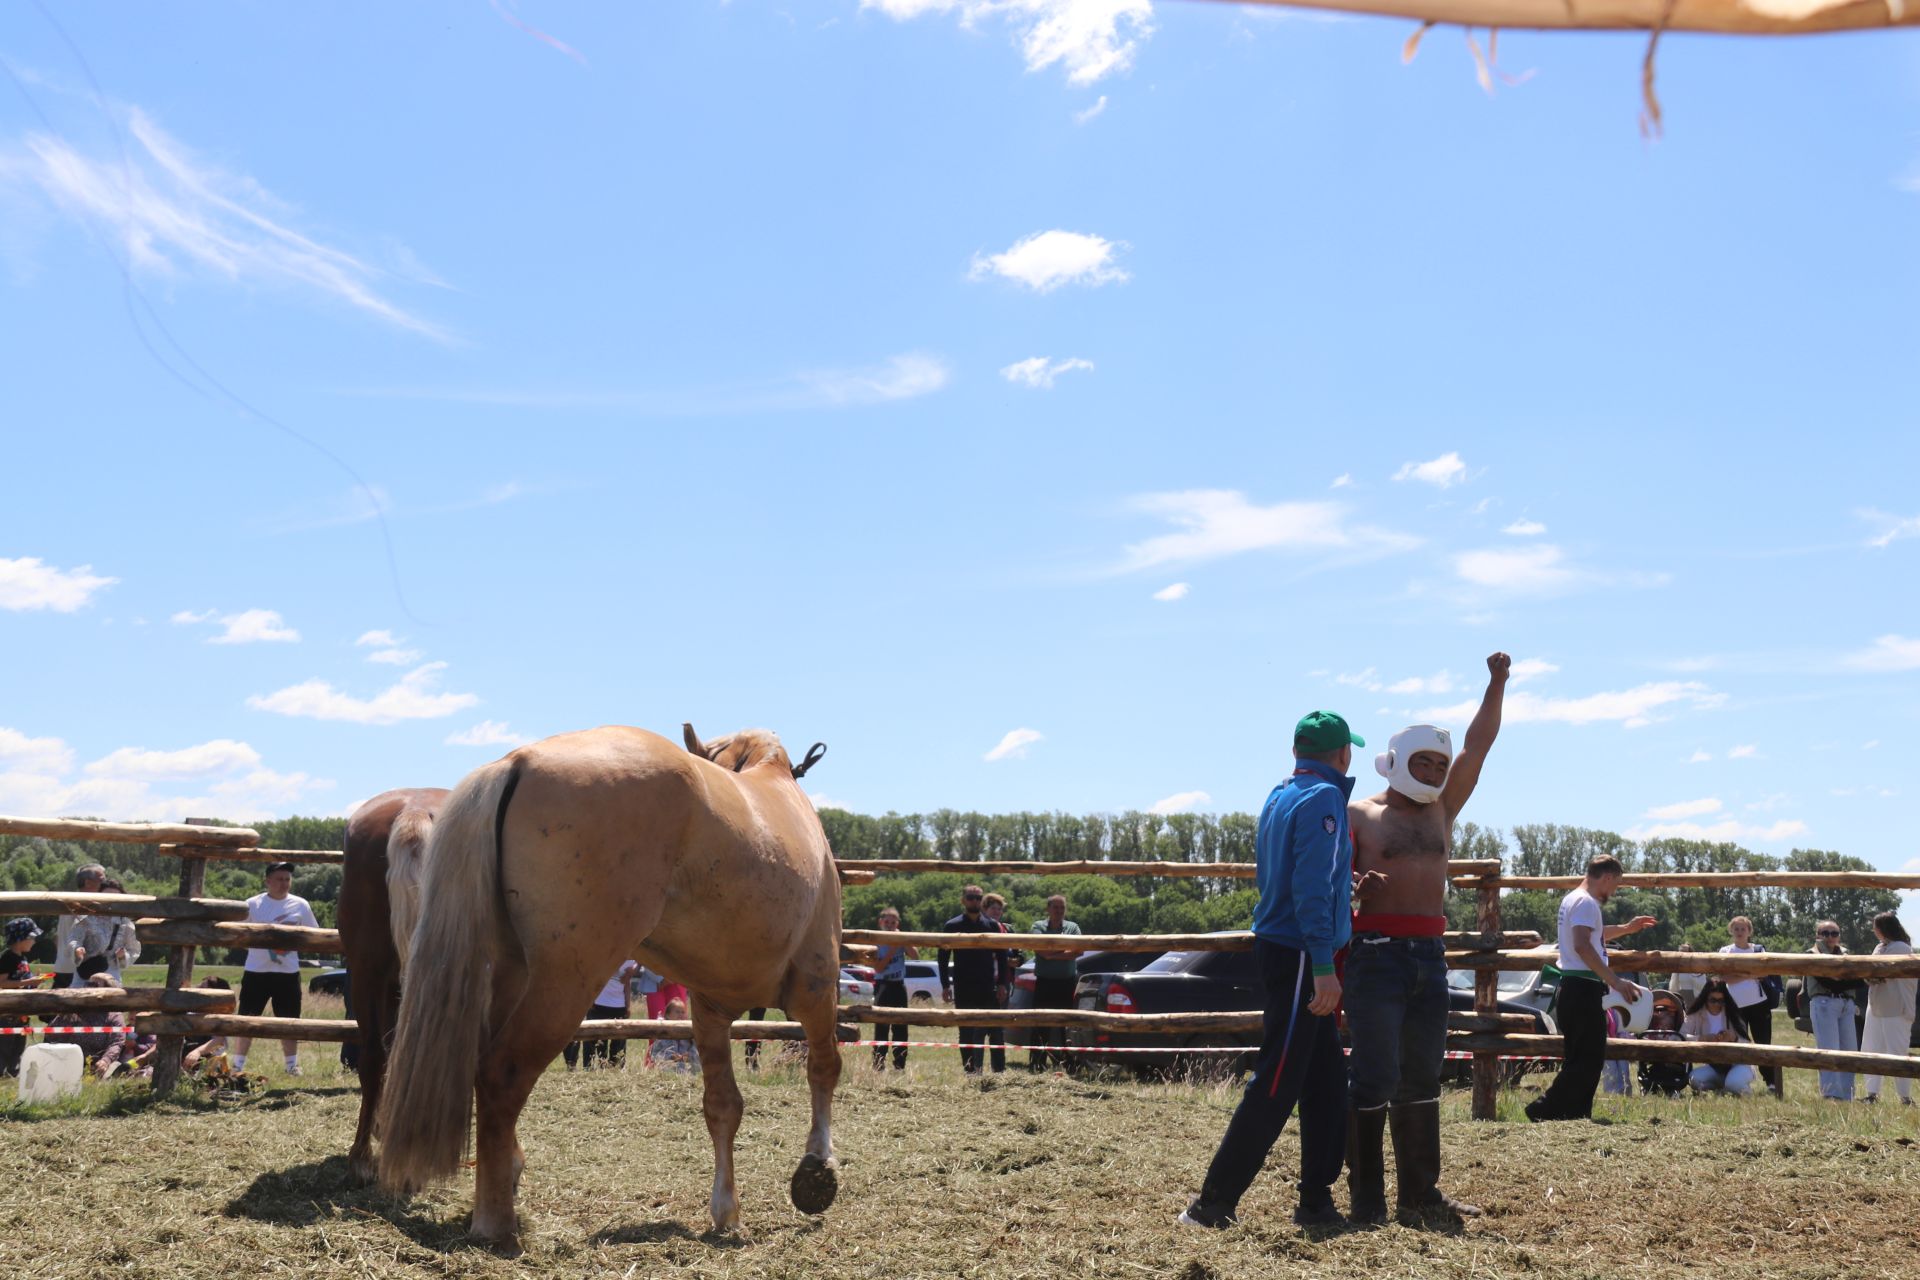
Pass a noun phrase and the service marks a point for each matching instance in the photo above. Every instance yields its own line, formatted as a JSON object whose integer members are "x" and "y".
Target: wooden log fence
{"x": 1234, "y": 941}
{"x": 1246, "y": 1022}
{"x": 97, "y": 1000}
{"x": 1696, "y": 1052}
{"x": 131, "y": 832}
{"x": 273, "y": 937}
{"x": 1786, "y": 964}
{"x": 255, "y": 855}
{"x": 343, "y": 1030}
{"x": 120, "y": 904}
{"x": 1724, "y": 880}
{"x": 1459, "y": 868}
{"x": 1486, "y": 1001}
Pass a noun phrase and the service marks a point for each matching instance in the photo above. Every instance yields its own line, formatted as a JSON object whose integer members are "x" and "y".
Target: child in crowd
{"x": 676, "y": 1055}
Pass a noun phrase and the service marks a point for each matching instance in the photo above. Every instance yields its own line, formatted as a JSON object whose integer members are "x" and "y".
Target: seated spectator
{"x": 198, "y": 1049}
{"x": 676, "y": 1055}
{"x": 1617, "y": 1076}
{"x": 93, "y": 1044}
{"x": 1714, "y": 1020}
{"x": 1667, "y": 1078}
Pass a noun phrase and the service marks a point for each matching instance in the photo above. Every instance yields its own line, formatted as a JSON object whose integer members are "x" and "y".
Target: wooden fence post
{"x": 1486, "y": 1000}
{"x": 166, "y": 1061}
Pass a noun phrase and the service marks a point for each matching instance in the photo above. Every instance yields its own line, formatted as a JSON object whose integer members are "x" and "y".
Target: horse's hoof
{"x": 815, "y": 1184}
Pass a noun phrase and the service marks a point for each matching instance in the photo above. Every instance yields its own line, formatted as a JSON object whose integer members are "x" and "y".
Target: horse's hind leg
{"x": 817, "y": 1181}
{"x": 712, "y": 1027}
{"x": 528, "y": 1039}
{"x": 377, "y": 1011}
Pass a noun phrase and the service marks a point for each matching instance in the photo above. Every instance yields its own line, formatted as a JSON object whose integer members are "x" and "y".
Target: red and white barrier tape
{"x": 1459, "y": 1054}
{"x": 61, "y": 1031}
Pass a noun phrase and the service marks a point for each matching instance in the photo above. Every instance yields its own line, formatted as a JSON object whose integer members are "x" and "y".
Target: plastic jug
{"x": 49, "y": 1072}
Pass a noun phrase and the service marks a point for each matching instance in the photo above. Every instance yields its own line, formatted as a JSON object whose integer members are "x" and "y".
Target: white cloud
{"x": 488, "y": 733}
{"x": 1172, "y": 591}
{"x": 1528, "y": 570}
{"x": 1728, "y": 830}
{"x": 188, "y": 618}
{"x": 254, "y": 626}
{"x": 383, "y": 639}
{"x": 171, "y": 212}
{"x": 1088, "y": 39}
{"x": 1181, "y": 802}
{"x": 1870, "y": 744}
{"x": 1888, "y": 653}
{"x": 1699, "y": 756}
{"x": 1221, "y": 522}
{"x": 1525, "y": 528}
{"x": 1529, "y": 669}
{"x": 1444, "y": 471}
{"x": 1342, "y": 481}
{"x": 1443, "y": 682}
{"x": 34, "y": 755}
{"x": 28, "y": 584}
{"x": 1746, "y": 751}
{"x": 1892, "y": 528}
{"x": 222, "y": 755}
{"x": 823, "y": 801}
{"x": 1039, "y": 372}
{"x": 902, "y": 377}
{"x": 413, "y": 698}
{"x": 1630, "y": 708}
{"x": 396, "y": 657}
{"x": 1048, "y": 259}
{"x": 1014, "y": 745}
{"x": 1684, "y": 809}
{"x": 1092, "y": 113}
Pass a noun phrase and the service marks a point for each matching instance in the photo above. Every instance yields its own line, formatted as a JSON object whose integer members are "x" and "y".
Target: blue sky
{"x": 1044, "y": 404}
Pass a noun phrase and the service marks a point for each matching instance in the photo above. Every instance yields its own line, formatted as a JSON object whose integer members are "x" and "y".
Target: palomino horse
{"x": 551, "y": 866}
{"x": 379, "y": 904}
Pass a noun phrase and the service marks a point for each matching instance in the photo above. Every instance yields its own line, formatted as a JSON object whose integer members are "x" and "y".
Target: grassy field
{"x": 1011, "y": 1176}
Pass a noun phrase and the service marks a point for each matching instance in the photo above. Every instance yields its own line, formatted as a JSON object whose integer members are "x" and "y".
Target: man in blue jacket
{"x": 1305, "y": 868}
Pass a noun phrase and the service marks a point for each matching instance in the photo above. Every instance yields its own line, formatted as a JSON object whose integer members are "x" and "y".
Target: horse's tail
{"x": 426, "y": 1107}
{"x": 406, "y": 865}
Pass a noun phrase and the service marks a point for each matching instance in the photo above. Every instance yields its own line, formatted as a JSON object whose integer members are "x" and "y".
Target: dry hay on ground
{"x": 1016, "y": 1176}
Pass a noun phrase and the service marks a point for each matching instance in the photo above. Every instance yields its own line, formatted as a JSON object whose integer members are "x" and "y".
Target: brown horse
{"x": 386, "y": 851}
{"x": 551, "y": 866}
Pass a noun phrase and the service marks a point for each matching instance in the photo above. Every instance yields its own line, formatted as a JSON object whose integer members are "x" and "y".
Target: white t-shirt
{"x": 614, "y": 994}
{"x": 1712, "y": 1024}
{"x": 1747, "y": 990}
{"x": 1579, "y": 908}
{"x": 291, "y": 909}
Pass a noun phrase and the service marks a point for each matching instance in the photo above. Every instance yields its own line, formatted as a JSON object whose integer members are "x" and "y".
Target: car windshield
{"x": 1175, "y": 962}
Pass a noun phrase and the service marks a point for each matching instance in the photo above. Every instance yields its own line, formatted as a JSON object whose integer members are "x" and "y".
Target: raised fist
{"x": 1498, "y": 664}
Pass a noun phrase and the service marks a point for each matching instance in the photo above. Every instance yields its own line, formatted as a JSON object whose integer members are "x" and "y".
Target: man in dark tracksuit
{"x": 969, "y": 976}
{"x": 1305, "y": 868}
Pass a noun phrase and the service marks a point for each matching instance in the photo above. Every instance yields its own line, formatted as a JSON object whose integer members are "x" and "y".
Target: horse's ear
{"x": 693, "y": 741}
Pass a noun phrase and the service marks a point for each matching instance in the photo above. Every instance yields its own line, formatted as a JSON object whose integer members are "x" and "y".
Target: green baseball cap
{"x": 1324, "y": 731}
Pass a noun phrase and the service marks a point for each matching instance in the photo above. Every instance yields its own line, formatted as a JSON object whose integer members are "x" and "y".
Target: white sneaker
{"x": 293, "y": 1069}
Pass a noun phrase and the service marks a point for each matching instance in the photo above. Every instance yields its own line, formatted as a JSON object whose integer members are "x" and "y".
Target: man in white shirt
{"x": 273, "y": 975}
{"x": 1583, "y": 987}
{"x": 67, "y": 935}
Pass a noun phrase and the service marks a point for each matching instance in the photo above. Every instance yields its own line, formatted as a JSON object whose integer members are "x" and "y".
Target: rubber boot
{"x": 1366, "y": 1165}
{"x": 1416, "y": 1159}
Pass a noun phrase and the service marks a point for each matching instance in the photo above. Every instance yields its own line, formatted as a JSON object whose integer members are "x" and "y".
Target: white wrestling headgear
{"x": 1392, "y": 763}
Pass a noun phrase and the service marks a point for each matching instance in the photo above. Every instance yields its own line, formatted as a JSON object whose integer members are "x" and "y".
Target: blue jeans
{"x": 1397, "y": 1002}
{"x": 1834, "y": 1028}
{"x": 1300, "y": 1062}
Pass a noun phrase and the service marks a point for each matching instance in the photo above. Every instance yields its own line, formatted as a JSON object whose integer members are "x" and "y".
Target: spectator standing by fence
{"x": 968, "y": 975}
{"x": 87, "y": 880}
{"x": 119, "y": 943}
{"x": 16, "y": 974}
{"x": 1585, "y": 979}
{"x": 1303, "y": 853}
{"x": 890, "y": 992}
{"x": 1754, "y": 999}
{"x": 1890, "y": 1006}
{"x": 1687, "y": 986}
{"x": 994, "y": 908}
{"x": 273, "y": 976}
{"x": 1055, "y": 974}
{"x": 1832, "y": 1011}
{"x": 609, "y": 1004}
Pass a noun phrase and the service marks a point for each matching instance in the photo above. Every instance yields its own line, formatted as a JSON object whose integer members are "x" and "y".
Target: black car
{"x": 328, "y": 982}
{"x": 1090, "y": 962}
{"x": 1196, "y": 982}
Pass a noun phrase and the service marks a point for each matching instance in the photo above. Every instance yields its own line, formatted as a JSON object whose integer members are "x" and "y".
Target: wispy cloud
{"x": 1171, "y": 592}
{"x": 1630, "y": 708}
{"x": 1443, "y": 472}
{"x": 488, "y": 733}
{"x": 1684, "y": 809}
{"x": 228, "y": 778}
{"x": 1888, "y": 653}
{"x": 1014, "y": 745}
{"x": 1889, "y": 529}
{"x": 1745, "y": 751}
{"x": 1211, "y": 523}
{"x": 415, "y": 697}
{"x": 172, "y": 212}
{"x": 254, "y": 626}
{"x": 1342, "y": 481}
{"x": 1530, "y": 669}
{"x": 1048, "y": 259}
{"x": 1700, "y": 756}
{"x": 1728, "y": 830}
{"x": 1525, "y": 528}
{"x": 222, "y": 755}
{"x": 1091, "y": 113}
{"x": 901, "y": 377}
{"x": 1538, "y": 569}
{"x": 1373, "y": 682}
{"x": 1088, "y": 39}
{"x": 1039, "y": 372}
{"x": 387, "y": 649}
{"x": 1180, "y": 802}
{"x": 28, "y": 584}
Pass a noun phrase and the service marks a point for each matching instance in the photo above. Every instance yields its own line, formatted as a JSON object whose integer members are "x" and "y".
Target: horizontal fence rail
{"x": 1722, "y": 880}
{"x": 270, "y": 937}
{"x": 120, "y": 904}
{"x": 101, "y": 1000}
{"x": 254, "y": 855}
{"x": 1235, "y": 941}
{"x": 1718, "y": 1053}
{"x": 345, "y": 1030}
{"x": 1247, "y": 1022}
{"x": 130, "y": 832}
{"x": 1753, "y": 964}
